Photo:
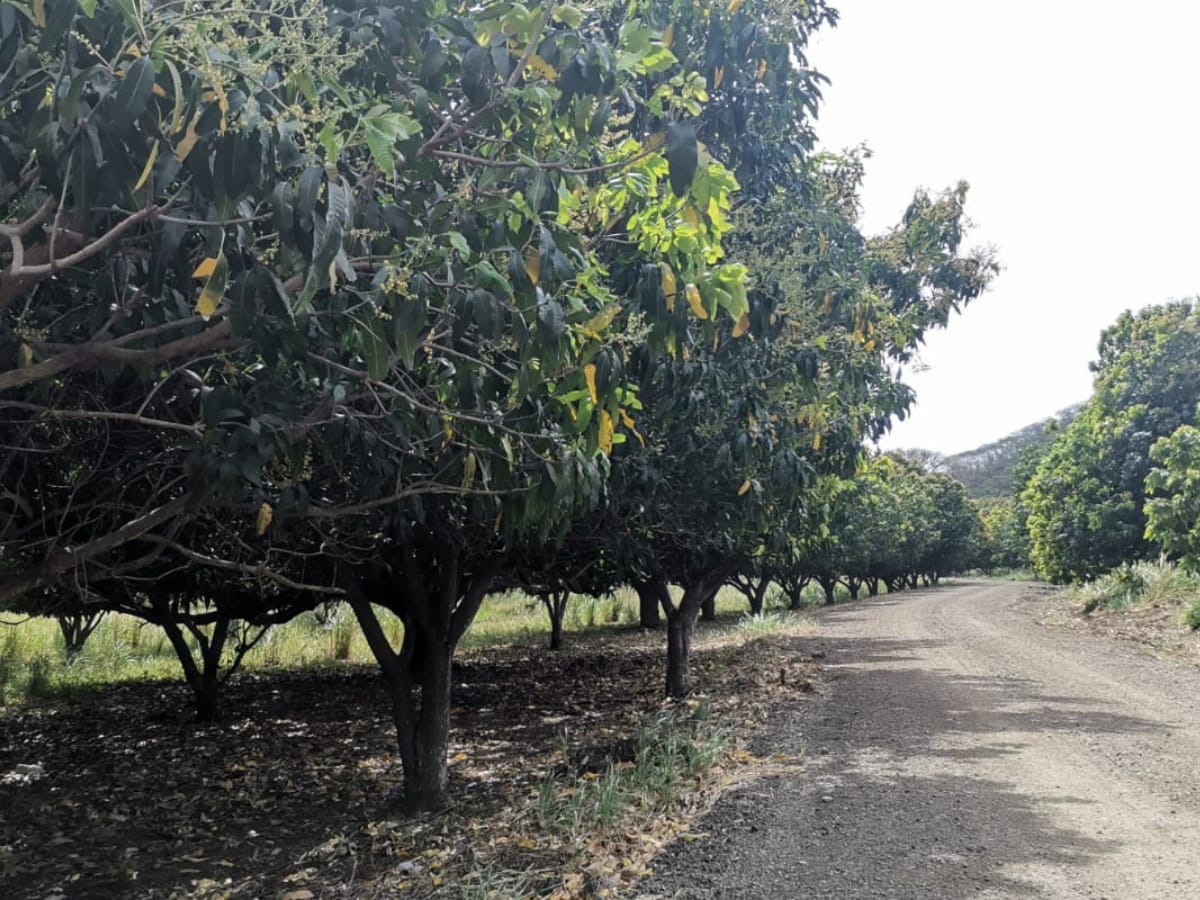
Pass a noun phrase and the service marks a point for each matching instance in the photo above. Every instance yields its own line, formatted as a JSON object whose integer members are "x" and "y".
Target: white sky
{"x": 1076, "y": 124}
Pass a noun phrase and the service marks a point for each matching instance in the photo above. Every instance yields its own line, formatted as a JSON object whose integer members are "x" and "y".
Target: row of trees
{"x": 1118, "y": 484}
{"x": 387, "y": 305}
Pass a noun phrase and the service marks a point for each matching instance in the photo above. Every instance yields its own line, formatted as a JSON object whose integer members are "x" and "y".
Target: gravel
{"x": 958, "y": 749}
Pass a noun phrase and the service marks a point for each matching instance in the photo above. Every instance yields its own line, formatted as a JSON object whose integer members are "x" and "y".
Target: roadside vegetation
{"x": 1111, "y": 504}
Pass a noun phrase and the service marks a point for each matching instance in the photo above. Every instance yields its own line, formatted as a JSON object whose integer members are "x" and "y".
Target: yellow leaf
{"x": 146, "y": 169}
{"x": 447, "y": 429}
{"x": 526, "y": 843}
{"x": 625, "y": 419}
{"x": 691, "y": 216}
{"x": 589, "y": 373}
{"x": 869, "y": 346}
{"x": 189, "y": 139}
{"x": 214, "y": 288}
{"x": 606, "y": 431}
{"x": 602, "y": 320}
{"x": 817, "y": 441}
{"x": 469, "y": 466}
{"x": 542, "y": 67}
{"x": 822, "y": 243}
{"x": 263, "y": 522}
{"x": 437, "y": 881}
{"x": 744, "y": 488}
{"x": 827, "y": 303}
{"x": 26, "y": 356}
{"x": 735, "y": 5}
{"x": 762, "y": 70}
{"x": 669, "y": 287}
{"x": 39, "y": 13}
{"x": 742, "y": 326}
{"x": 693, "y": 298}
{"x": 158, "y": 90}
{"x": 533, "y": 263}
{"x": 718, "y": 77}
{"x": 205, "y": 268}
{"x": 668, "y": 35}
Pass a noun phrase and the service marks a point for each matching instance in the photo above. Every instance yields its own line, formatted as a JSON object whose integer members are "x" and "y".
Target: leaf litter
{"x": 569, "y": 775}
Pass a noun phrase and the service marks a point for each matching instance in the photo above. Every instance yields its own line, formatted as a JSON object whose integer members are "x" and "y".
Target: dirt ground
{"x": 961, "y": 748}
{"x": 288, "y": 795}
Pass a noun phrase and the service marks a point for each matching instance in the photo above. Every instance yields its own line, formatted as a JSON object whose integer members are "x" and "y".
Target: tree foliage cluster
{"x": 398, "y": 304}
{"x": 1118, "y": 485}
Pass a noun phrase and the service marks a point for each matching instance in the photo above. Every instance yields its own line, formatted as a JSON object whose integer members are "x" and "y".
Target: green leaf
{"x": 134, "y": 93}
{"x": 375, "y": 349}
{"x": 682, "y": 156}
{"x": 459, "y": 243}
{"x": 380, "y": 146}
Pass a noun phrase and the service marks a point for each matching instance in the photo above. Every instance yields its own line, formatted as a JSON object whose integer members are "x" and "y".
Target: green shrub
{"x": 1191, "y": 616}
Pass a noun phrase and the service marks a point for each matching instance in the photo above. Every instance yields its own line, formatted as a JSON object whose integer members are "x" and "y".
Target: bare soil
{"x": 961, "y": 749}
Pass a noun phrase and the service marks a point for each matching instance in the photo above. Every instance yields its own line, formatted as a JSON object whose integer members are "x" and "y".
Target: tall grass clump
{"x": 1149, "y": 583}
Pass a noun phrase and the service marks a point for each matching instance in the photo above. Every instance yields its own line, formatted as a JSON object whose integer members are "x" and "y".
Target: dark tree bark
{"x": 682, "y": 617}
{"x": 203, "y": 678}
{"x": 708, "y": 608}
{"x": 556, "y": 607}
{"x": 648, "y": 605}
{"x": 793, "y": 585}
{"x": 853, "y": 585}
{"x": 436, "y": 619}
{"x": 76, "y": 628}
{"x": 872, "y": 587}
{"x": 754, "y": 588}
{"x": 829, "y": 586}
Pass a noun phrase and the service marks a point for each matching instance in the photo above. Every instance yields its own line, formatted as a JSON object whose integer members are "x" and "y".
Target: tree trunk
{"x": 872, "y": 587}
{"x": 759, "y": 596}
{"x": 648, "y": 608}
{"x": 434, "y": 621}
{"x": 76, "y": 628}
{"x": 853, "y": 585}
{"x": 914, "y": 581}
{"x": 680, "y": 620}
{"x": 425, "y": 785}
{"x": 708, "y": 607}
{"x": 203, "y": 679}
{"x": 679, "y": 646}
{"x": 556, "y": 608}
{"x": 829, "y": 586}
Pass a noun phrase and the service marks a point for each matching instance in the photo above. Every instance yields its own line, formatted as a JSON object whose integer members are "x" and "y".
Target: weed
{"x": 1159, "y": 583}
{"x": 678, "y": 746}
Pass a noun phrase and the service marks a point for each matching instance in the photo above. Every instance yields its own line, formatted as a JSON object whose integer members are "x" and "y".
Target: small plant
{"x": 37, "y": 679}
{"x": 1191, "y": 616}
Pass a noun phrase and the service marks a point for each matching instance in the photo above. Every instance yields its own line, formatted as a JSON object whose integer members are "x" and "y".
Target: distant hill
{"x": 987, "y": 470}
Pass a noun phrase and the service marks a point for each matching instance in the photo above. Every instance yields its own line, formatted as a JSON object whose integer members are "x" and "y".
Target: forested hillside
{"x": 987, "y": 471}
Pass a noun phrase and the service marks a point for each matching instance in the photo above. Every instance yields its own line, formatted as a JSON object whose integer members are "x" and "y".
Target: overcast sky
{"x": 1076, "y": 124}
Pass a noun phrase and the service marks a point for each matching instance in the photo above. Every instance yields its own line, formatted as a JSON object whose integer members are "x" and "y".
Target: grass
{"x": 34, "y": 665}
{"x": 679, "y": 745}
{"x": 1144, "y": 584}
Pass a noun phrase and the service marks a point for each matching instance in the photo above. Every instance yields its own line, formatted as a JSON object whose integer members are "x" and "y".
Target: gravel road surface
{"x": 958, "y": 749}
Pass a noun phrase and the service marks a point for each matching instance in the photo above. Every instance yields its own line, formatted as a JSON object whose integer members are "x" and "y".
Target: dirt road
{"x": 959, "y": 749}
